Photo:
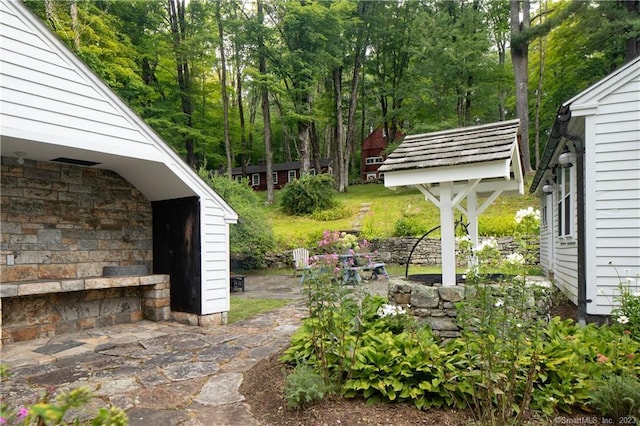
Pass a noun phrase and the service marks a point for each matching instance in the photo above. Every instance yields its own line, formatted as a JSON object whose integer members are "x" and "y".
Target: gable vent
{"x": 75, "y": 161}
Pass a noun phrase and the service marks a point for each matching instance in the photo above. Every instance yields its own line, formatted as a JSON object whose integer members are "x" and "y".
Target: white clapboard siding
{"x": 546, "y": 233}
{"x": 215, "y": 258}
{"x": 613, "y": 191}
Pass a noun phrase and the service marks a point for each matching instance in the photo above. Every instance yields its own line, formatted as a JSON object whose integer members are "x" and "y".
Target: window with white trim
{"x": 371, "y": 176}
{"x": 565, "y": 206}
{"x": 255, "y": 179}
{"x": 291, "y": 175}
{"x": 274, "y": 177}
{"x": 373, "y": 160}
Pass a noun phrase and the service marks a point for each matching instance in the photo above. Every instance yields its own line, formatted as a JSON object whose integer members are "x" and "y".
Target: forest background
{"x": 233, "y": 83}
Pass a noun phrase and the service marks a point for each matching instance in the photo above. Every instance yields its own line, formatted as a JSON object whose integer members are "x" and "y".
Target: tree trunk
{"x": 341, "y": 157}
{"x": 50, "y": 13}
{"x": 632, "y": 44}
{"x": 266, "y": 113}
{"x": 225, "y": 96}
{"x": 243, "y": 138}
{"x": 304, "y": 135}
{"x": 178, "y": 30}
{"x": 75, "y": 25}
{"x": 541, "y": 53}
{"x": 520, "y": 60}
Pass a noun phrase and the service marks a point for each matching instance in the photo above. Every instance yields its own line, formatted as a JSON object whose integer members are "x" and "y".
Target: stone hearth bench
{"x": 31, "y": 288}
{"x": 154, "y": 303}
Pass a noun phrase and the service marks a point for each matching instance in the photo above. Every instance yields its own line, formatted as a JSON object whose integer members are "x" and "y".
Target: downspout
{"x": 564, "y": 115}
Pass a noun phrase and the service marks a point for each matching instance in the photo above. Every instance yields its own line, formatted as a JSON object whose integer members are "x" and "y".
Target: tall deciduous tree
{"x": 520, "y": 21}
{"x": 223, "y": 88}
{"x": 178, "y": 24}
{"x": 264, "y": 96}
{"x": 304, "y": 28}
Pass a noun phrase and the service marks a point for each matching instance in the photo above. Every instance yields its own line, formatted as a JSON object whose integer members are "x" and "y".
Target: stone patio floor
{"x": 161, "y": 373}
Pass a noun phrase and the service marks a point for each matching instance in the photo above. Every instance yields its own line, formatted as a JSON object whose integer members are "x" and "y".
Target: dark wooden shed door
{"x": 176, "y": 250}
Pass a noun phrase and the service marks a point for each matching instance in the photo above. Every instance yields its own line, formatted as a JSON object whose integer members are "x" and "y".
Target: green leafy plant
{"x": 308, "y": 194}
{"x": 627, "y": 313}
{"x": 52, "y": 411}
{"x": 252, "y": 237}
{"x": 617, "y": 397}
{"x": 492, "y": 319}
{"x": 304, "y": 386}
{"x": 335, "y": 213}
{"x": 508, "y": 358}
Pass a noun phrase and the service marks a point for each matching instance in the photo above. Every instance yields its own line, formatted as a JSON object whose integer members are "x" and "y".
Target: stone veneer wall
{"x": 61, "y": 221}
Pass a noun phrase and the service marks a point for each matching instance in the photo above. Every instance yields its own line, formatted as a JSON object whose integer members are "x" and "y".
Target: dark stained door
{"x": 176, "y": 250}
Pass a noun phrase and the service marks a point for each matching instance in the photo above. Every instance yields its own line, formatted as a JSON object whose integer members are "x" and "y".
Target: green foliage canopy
{"x": 252, "y": 237}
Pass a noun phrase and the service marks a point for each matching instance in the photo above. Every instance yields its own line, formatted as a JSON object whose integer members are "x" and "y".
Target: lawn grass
{"x": 243, "y": 307}
{"x": 385, "y": 207}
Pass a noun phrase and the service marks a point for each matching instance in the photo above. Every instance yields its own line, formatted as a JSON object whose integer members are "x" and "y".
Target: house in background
{"x": 372, "y": 155}
{"x": 88, "y": 187}
{"x": 283, "y": 173}
{"x": 589, "y": 187}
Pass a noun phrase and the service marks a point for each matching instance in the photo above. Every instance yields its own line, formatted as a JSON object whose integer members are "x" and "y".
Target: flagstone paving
{"x": 161, "y": 373}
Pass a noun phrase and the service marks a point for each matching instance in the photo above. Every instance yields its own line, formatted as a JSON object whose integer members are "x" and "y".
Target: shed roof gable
{"x": 584, "y": 102}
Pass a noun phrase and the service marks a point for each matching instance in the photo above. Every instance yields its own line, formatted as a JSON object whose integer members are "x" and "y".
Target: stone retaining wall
{"x": 436, "y": 305}
{"x": 396, "y": 250}
{"x": 433, "y": 305}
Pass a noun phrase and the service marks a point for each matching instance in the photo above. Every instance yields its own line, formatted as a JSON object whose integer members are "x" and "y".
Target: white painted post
{"x": 447, "y": 235}
{"x": 472, "y": 217}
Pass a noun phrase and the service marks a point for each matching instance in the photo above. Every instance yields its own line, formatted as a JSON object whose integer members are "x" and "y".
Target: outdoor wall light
{"x": 566, "y": 159}
{"x": 20, "y": 156}
{"x": 547, "y": 189}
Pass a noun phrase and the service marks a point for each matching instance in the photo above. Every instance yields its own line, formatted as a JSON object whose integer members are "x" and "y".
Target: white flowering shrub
{"x": 390, "y": 310}
{"x": 528, "y": 214}
{"x": 627, "y": 313}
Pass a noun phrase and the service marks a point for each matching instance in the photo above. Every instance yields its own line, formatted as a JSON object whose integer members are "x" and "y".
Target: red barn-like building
{"x": 282, "y": 173}
{"x": 372, "y": 153}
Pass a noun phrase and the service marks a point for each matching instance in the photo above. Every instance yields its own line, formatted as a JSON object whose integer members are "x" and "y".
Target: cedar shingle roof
{"x": 460, "y": 146}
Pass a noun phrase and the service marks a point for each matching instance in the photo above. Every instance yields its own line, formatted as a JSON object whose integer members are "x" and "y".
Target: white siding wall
{"x": 613, "y": 194}
{"x": 215, "y": 258}
{"x": 546, "y": 232}
{"x": 565, "y": 250}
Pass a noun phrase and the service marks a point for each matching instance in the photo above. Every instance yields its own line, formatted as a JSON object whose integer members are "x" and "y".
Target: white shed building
{"x": 56, "y": 114}
{"x": 589, "y": 186}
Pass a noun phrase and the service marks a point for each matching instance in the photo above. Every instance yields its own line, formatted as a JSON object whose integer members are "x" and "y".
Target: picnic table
{"x": 354, "y": 267}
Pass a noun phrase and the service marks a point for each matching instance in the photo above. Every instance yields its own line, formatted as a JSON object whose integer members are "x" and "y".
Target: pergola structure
{"x": 448, "y": 167}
